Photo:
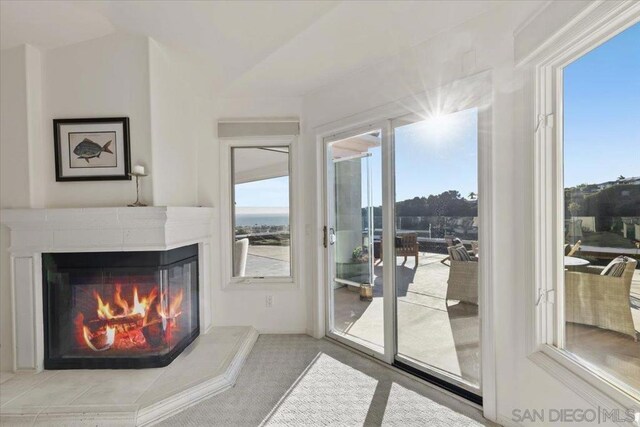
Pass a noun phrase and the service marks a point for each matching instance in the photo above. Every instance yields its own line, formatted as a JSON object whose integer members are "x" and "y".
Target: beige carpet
{"x": 295, "y": 380}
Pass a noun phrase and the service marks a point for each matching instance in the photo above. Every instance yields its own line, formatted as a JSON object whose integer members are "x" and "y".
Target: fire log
{"x": 126, "y": 322}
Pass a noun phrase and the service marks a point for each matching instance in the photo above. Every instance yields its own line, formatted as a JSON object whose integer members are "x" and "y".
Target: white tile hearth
{"x": 126, "y": 397}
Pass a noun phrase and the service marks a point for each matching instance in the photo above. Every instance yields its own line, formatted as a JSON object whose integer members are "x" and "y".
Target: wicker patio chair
{"x": 600, "y": 300}
{"x": 463, "y": 275}
{"x": 475, "y": 248}
{"x": 450, "y": 241}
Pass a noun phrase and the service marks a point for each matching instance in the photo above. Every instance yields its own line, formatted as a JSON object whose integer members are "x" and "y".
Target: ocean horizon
{"x": 244, "y": 219}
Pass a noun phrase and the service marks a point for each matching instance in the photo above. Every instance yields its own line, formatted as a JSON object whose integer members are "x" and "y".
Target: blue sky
{"x": 268, "y": 193}
{"x": 432, "y": 156}
{"x": 602, "y": 112}
{"x": 437, "y": 155}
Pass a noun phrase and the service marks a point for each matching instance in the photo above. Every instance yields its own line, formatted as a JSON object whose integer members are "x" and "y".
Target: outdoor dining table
{"x": 570, "y": 261}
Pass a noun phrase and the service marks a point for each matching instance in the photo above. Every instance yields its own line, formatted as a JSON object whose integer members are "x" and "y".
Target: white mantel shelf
{"x": 105, "y": 229}
{"x": 126, "y": 229}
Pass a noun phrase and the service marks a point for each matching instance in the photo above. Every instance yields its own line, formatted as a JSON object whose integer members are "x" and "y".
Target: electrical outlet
{"x": 269, "y": 301}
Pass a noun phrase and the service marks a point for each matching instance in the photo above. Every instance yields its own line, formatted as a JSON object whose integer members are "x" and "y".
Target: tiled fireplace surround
{"x": 219, "y": 351}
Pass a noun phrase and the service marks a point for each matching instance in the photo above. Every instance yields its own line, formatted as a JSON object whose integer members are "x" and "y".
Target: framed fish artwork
{"x": 92, "y": 149}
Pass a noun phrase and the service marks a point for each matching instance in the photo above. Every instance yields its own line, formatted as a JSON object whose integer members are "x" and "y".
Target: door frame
{"x": 431, "y": 373}
{"x": 328, "y": 219}
{"x": 472, "y": 91}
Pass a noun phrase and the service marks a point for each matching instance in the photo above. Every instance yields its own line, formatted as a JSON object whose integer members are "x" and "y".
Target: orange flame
{"x": 123, "y": 304}
{"x": 172, "y": 311}
{"x": 109, "y": 339}
{"x": 141, "y": 307}
{"x": 122, "y": 319}
{"x": 104, "y": 311}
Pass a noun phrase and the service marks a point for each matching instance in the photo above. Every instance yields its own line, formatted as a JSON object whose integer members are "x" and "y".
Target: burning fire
{"x": 124, "y": 325}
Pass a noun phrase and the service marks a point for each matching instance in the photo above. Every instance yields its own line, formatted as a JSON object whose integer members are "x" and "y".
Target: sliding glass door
{"x": 437, "y": 246}
{"x": 403, "y": 246}
{"x": 353, "y": 237}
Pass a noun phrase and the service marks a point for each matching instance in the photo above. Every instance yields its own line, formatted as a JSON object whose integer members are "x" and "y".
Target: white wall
{"x": 105, "y": 77}
{"x": 20, "y": 117}
{"x": 182, "y": 118}
{"x": 14, "y": 129}
{"x": 248, "y": 307}
{"x": 14, "y": 172}
{"x": 483, "y": 43}
{"x": 184, "y": 115}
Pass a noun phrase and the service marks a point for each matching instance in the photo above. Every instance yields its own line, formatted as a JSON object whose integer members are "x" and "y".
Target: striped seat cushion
{"x": 616, "y": 267}
{"x": 459, "y": 253}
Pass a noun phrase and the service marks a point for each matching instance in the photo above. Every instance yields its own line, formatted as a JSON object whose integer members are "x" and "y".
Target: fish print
{"x": 88, "y": 149}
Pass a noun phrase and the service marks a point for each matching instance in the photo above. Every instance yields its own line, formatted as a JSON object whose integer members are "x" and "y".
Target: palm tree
{"x": 472, "y": 195}
{"x": 621, "y": 177}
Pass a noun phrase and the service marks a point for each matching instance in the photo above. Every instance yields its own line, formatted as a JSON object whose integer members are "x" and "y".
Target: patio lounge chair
{"x": 240, "y": 251}
{"x": 475, "y": 248}
{"x": 450, "y": 241}
{"x": 463, "y": 275}
{"x": 406, "y": 245}
{"x": 600, "y": 296}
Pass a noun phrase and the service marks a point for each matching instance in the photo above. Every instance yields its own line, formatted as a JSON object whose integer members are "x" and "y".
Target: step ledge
{"x": 155, "y": 412}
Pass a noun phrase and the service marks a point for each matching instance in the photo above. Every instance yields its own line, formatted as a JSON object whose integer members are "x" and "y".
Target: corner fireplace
{"x": 119, "y": 309}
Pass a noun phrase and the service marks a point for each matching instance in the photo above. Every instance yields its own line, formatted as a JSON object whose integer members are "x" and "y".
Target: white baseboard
{"x": 278, "y": 331}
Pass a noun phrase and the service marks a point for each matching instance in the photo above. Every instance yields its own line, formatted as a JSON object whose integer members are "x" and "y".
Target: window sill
{"x": 587, "y": 384}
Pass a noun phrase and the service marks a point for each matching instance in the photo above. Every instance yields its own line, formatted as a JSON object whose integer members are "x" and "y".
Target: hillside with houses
{"x": 604, "y": 214}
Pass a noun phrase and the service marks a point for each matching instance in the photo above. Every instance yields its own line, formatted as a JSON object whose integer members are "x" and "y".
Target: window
{"x": 260, "y": 211}
{"x": 587, "y": 208}
{"x": 601, "y": 212}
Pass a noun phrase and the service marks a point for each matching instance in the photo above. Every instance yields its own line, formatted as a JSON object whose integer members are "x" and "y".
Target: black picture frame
{"x": 58, "y": 145}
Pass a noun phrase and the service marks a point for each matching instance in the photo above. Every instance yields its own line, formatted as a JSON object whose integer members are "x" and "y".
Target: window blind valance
{"x": 237, "y": 129}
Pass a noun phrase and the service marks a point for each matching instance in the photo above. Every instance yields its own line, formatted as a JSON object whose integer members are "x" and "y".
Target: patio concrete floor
{"x": 264, "y": 261}
{"x": 446, "y": 336}
{"x": 430, "y": 331}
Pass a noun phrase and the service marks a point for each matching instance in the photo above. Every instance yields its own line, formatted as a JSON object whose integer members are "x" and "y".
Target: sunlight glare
{"x": 441, "y": 124}
{"x": 437, "y": 129}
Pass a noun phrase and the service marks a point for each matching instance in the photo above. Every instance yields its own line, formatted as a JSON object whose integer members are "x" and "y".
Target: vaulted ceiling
{"x": 255, "y": 48}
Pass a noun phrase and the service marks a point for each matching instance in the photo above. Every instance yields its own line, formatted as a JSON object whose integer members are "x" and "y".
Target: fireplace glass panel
{"x": 119, "y": 310}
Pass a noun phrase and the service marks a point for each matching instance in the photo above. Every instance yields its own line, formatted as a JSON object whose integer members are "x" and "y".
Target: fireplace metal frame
{"x": 155, "y": 259}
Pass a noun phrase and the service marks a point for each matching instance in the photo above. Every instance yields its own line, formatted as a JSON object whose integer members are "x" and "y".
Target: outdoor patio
{"x": 429, "y": 331}
{"x": 447, "y": 336}
{"x": 268, "y": 261}
{"x": 442, "y": 335}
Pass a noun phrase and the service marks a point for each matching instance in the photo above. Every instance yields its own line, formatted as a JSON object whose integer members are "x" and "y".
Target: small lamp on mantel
{"x": 138, "y": 172}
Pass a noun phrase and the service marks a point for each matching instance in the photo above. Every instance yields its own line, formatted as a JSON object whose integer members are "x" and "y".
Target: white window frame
{"x": 328, "y": 218}
{"x": 598, "y": 23}
{"x": 230, "y": 282}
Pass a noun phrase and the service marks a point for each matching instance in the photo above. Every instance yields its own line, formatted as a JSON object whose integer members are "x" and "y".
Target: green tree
{"x": 574, "y": 208}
